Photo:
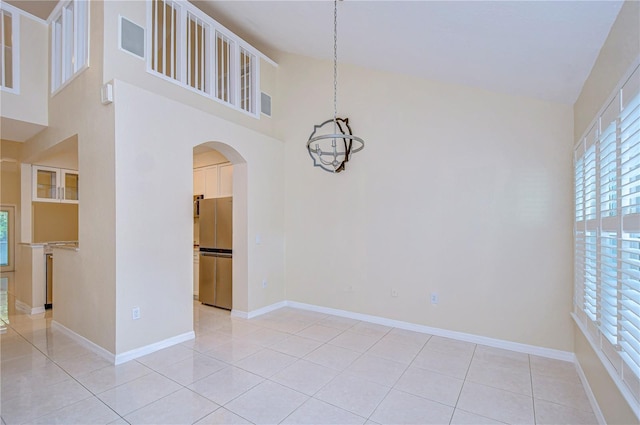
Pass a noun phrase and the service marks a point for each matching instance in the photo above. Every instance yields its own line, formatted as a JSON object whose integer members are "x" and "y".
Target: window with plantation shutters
{"x": 191, "y": 49}
{"x": 607, "y": 235}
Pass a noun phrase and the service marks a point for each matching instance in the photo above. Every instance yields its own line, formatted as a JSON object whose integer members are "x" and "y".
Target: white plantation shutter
{"x": 629, "y": 128}
{"x": 607, "y": 234}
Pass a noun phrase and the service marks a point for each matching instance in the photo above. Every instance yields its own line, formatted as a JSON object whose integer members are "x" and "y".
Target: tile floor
{"x": 289, "y": 366}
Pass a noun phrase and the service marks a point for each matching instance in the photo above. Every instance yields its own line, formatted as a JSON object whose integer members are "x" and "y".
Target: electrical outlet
{"x": 135, "y": 313}
{"x": 394, "y": 292}
{"x": 264, "y": 283}
{"x": 435, "y": 298}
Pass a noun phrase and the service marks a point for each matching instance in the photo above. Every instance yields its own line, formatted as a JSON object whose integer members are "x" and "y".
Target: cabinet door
{"x": 226, "y": 180}
{"x": 46, "y": 184}
{"x": 69, "y": 186}
{"x": 211, "y": 182}
{"x": 198, "y": 182}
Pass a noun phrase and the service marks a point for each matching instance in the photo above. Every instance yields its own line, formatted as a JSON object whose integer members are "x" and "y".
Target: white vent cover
{"x": 265, "y": 104}
{"x": 131, "y": 37}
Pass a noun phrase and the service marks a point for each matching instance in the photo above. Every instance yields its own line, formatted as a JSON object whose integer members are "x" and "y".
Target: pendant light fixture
{"x": 332, "y": 149}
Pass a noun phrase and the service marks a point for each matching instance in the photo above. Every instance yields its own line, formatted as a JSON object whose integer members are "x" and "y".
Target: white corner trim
{"x": 461, "y": 336}
{"x": 37, "y": 310}
{"x": 592, "y": 398}
{"x": 151, "y": 348}
{"x": 240, "y": 314}
{"x": 260, "y": 311}
{"x": 102, "y": 352}
{"x": 26, "y": 308}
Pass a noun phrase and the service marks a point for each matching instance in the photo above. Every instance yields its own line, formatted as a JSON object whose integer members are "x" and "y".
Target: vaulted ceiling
{"x": 541, "y": 49}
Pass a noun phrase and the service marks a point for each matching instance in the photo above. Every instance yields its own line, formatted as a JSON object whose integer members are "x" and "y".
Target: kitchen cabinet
{"x": 213, "y": 181}
{"x": 55, "y": 185}
{"x": 225, "y": 180}
{"x": 198, "y": 182}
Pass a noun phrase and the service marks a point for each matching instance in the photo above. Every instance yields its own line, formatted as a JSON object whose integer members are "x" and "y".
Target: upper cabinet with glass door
{"x": 55, "y": 185}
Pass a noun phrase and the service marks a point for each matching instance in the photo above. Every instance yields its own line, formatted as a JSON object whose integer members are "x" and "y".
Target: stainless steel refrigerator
{"x": 215, "y": 252}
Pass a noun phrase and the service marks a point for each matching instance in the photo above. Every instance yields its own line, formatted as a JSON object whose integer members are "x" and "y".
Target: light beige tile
{"x": 43, "y": 401}
{"x": 332, "y": 356}
{"x": 319, "y": 333}
{"x": 207, "y": 342}
{"x": 372, "y": 329}
{"x": 192, "y": 369}
{"x": 237, "y": 328}
{"x": 181, "y": 407}
{"x": 166, "y": 356}
{"x": 296, "y": 346}
{"x": 266, "y": 403}
{"x": 403, "y": 408}
{"x": 561, "y": 391}
{"x": 460, "y": 417}
{"x": 305, "y": 376}
{"x": 266, "y": 363}
{"x": 391, "y": 349}
{"x": 226, "y": 384}
{"x": 111, "y": 376}
{"x": 408, "y": 337}
{"x": 377, "y": 369}
{"x": 27, "y": 381}
{"x": 454, "y": 363}
{"x": 355, "y": 341}
{"x": 223, "y": 417}
{"x": 83, "y": 364}
{"x": 555, "y": 414}
{"x": 354, "y": 394}
{"x": 509, "y": 376}
{"x": 431, "y": 385}
{"x": 318, "y": 412}
{"x": 450, "y": 346}
{"x": 266, "y": 337}
{"x": 555, "y": 368}
{"x": 135, "y": 394}
{"x": 88, "y": 411}
{"x": 234, "y": 351}
{"x": 504, "y": 357}
{"x": 338, "y": 322}
{"x": 496, "y": 404}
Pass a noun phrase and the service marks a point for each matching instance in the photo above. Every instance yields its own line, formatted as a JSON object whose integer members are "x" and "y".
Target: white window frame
{"x": 214, "y": 28}
{"x": 606, "y": 208}
{"x": 80, "y": 37}
{"x": 15, "y": 37}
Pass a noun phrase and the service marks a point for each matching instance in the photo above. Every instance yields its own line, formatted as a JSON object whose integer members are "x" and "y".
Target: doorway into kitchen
{"x": 217, "y": 218}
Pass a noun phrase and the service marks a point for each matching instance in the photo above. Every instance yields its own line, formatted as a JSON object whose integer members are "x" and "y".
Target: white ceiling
{"x": 542, "y": 49}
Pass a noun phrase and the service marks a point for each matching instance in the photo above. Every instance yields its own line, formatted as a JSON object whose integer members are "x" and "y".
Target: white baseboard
{"x": 476, "y": 339}
{"x": 102, "y": 352}
{"x": 260, "y": 311}
{"x": 37, "y": 310}
{"x": 592, "y": 398}
{"x": 148, "y": 349}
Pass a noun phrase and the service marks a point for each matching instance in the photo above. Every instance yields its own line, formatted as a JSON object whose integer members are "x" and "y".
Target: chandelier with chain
{"x": 332, "y": 143}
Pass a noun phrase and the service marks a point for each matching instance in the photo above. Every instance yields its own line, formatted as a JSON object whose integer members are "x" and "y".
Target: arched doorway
{"x": 218, "y": 157}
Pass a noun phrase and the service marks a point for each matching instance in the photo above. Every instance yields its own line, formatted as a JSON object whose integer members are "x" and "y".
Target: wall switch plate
{"x": 394, "y": 292}
{"x": 264, "y": 283}
{"x": 135, "y": 313}
{"x": 435, "y": 299}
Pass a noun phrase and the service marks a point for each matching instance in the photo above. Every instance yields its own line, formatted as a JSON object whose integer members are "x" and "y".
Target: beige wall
{"x": 154, "y": 199}
{"x": 620, "y": 51}
{"x": 54, "y": 222}
{"x": 10, "y": 173}
{"x": 208, "y": 158}
{"x": 30, "y": 104}
{"x": 129, "y": 68}
{"x": 458, "y": 191}
{"x": 86, "y": 303}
